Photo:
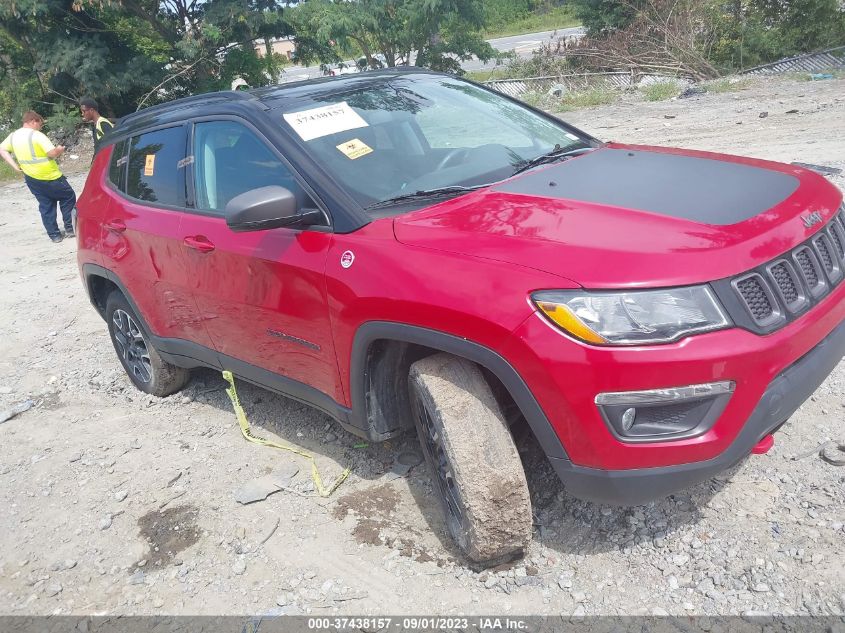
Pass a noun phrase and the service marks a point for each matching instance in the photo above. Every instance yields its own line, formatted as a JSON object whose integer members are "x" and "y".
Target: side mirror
{"x": 264, "y": 208}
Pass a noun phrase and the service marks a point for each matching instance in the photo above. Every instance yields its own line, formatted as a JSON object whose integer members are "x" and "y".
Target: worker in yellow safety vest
{"x": 91, "y": 113}
{"x": 34, "y": 155}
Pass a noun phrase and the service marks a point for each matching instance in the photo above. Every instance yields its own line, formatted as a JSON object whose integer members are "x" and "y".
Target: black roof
{"x": 266, "y": 98}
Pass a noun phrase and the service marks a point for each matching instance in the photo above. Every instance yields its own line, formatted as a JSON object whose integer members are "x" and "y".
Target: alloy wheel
{"x": 131, "y": 346}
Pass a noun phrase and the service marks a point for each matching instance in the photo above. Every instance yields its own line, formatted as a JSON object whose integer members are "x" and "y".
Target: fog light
{"x": 628, "y": 419}
{"x": 664, "y": 414}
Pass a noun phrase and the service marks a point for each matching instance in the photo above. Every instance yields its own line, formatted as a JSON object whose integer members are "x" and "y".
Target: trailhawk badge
{"x": 811, "y": 220}
{"x": 347, "y": 258}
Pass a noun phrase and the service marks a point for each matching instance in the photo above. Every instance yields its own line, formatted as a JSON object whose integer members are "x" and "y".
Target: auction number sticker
{"x": 330, "y": 119}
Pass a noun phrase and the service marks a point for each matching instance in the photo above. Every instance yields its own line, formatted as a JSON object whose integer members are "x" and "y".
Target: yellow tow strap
{"x": 247, "y": 433}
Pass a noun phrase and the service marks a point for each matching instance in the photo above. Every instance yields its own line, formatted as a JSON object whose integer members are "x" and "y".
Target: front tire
{"x": 145, "y": 368}
{"x": 473, "y": 458}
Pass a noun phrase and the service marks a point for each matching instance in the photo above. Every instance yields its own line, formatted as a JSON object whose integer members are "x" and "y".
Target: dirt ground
{"x": 118, "y": 503}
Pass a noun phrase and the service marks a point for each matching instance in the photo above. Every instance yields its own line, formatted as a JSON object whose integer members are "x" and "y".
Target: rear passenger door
{"x": 261, "y": 294}
{"x": 142, "y": 231}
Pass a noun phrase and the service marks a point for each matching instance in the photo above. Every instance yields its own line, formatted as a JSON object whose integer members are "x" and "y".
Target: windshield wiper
{"x": 549, "y": 157}
{"x": 426, "y": 193}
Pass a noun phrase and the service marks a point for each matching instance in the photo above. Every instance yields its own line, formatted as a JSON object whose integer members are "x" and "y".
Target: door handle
{"x": 199, "y": 243}
{"x": 116, "y": 226}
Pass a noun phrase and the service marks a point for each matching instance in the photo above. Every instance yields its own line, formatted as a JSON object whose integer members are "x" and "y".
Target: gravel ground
{"x": 119, "y": 503}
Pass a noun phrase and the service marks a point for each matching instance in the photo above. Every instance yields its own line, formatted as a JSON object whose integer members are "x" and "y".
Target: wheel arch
{"x": 100, "y": 283}
{"x": 382, "y": 353}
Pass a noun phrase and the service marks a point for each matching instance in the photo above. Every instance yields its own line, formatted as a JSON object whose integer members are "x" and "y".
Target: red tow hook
{"x": 764, "y": 445}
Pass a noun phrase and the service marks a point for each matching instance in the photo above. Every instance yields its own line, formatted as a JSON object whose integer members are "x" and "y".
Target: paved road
{"x": 522, "y": 45}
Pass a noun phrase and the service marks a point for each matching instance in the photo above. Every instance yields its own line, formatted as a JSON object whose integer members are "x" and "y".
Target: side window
{"x": 229, "y": 159}
{"x": 156, "y": 167}
{"x": 117, "y": 166}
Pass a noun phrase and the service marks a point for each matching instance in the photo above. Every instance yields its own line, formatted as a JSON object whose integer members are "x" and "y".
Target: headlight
{"x": 635, "y": 317}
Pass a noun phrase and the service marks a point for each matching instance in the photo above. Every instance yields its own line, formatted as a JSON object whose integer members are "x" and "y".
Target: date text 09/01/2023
{"x": 418, "y": 623}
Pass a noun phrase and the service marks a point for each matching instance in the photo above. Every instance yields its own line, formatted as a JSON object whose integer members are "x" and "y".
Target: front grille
{"x": 777, "y": 292}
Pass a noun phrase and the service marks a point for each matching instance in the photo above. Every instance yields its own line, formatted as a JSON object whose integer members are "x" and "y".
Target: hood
{"x": 627, "y": 216}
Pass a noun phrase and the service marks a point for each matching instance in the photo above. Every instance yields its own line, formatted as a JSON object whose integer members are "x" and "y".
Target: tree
{"x": 600, "y": 17}
{"x": 441, "y": 32}
{"x": 130, "y": 52}
{"x": 754, "y": 32}
{"x": 52, "y": 54}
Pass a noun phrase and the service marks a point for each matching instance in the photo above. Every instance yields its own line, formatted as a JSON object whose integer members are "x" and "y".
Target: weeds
{"x": 660, "y": 90}
{"x": 7, "y": 173}
{"x": 587, "y": 98}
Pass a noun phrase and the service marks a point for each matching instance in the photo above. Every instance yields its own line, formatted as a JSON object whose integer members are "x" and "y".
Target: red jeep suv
{"x": 404, "y": 248}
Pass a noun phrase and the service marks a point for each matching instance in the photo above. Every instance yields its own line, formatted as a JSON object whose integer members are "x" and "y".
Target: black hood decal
{"x": 698, "y": 189}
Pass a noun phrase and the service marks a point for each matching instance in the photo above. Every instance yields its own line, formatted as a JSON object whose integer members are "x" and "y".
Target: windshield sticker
{"x": 150, "y": 165}
{"x": 331, "y": 119}
{"x": 356, "y": 148}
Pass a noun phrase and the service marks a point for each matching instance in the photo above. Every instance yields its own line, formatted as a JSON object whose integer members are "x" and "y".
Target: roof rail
{"x": 185, "y": 102}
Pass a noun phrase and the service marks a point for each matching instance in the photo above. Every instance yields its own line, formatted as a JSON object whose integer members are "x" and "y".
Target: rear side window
{"x": 117, "y": 166}
{"x": 230, "y": 159}
{"x": 156, "y": 171}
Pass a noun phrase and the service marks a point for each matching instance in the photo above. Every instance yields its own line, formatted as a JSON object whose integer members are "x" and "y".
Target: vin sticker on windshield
{"x": 331, "y": 119}
{"x": 356, "y": 148}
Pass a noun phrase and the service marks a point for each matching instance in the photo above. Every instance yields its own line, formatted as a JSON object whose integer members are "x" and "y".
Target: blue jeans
{"x": 48, "y": 193}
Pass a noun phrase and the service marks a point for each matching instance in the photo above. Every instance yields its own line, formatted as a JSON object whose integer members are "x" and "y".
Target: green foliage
{"x": 62, "y": 124}
{"x": 732, "y": 34}
{"x": 544, "y": 62}
{"x": 129, "y": 52}
{"x": 602, "y": 16}
{"x": 436, "y": 29}
{"x": 6, "y": 172}
{"x": 590, "y": 97}
{"x": 660, "y": 90}
{"x": 558, "y": 17}
{"x": 754, "y": 32}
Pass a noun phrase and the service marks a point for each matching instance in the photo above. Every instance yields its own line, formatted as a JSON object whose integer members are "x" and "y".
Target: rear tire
{"x": 473, "y": 458}
{"x": 145, "y": 368}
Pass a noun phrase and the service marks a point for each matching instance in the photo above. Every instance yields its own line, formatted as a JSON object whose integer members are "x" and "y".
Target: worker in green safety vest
{"x": 91, "y": 113}
{"x": 34, "y": 155}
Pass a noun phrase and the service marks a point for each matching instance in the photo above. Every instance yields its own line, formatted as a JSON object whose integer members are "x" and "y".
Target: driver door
{"x": 261, "y": 294}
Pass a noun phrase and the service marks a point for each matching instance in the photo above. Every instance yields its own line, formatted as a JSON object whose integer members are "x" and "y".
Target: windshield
{"x": 416, "y": 133}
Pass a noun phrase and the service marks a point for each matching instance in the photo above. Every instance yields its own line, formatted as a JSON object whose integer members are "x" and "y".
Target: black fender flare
{"x": 372, "y": 331}
{"x": 95, "y": 270}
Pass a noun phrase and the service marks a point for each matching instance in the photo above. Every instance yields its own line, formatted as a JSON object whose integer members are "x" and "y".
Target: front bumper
{"x": 780, "y": 400}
